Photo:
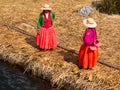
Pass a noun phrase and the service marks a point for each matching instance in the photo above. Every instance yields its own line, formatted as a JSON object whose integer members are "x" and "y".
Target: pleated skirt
{"x": 87, "y": 58}
{"x": 46, "y": 39}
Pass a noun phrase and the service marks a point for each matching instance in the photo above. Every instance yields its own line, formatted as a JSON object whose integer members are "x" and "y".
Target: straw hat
{"x": 46, "y": 7}
{"x": 90, "y": 23}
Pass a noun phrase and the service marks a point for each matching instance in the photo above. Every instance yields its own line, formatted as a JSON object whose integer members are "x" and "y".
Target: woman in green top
{"x": 46, "y": 36}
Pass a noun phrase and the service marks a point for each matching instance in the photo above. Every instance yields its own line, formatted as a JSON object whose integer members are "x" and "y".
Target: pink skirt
{"x": 46, "y": 39}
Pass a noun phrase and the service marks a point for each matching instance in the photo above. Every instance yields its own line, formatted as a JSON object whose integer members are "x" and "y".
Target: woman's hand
{"x": 98, "y": 44}
{"x": 38, "y": 31}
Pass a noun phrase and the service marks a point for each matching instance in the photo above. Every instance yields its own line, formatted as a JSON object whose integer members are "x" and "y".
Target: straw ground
{"x": 60, "y": 66}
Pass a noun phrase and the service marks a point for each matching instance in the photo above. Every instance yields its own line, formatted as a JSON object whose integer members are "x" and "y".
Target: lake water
{"x": 12, "y": 78}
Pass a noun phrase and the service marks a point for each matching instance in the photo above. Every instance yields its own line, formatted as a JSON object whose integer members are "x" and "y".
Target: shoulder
{"x": 41, "y": 14}
{"x": 52, "y": 13}
{"x": 88, "y": 31}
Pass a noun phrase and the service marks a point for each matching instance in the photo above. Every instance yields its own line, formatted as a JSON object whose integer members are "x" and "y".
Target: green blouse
{"x": 41, "y": 20}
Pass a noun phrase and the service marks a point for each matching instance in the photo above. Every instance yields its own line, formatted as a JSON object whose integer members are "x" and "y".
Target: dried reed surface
{"x": 59, "y": 66}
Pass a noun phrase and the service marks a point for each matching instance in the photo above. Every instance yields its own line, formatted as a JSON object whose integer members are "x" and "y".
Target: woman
{"x": 46, "y": 35}
{"x": 88, "y": 53}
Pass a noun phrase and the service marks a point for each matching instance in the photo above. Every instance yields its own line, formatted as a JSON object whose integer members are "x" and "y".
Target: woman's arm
{"x": 53, "y": 17}
{"x": 40, "y": 21}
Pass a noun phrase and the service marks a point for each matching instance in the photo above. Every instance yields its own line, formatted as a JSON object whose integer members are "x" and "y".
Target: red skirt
{"x": 46, "y": 39}
{"x": 87, "y": 57}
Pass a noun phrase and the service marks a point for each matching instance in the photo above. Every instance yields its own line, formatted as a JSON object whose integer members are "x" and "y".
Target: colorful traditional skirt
{"x": 87, "y": 57}
{"x": 46, "y": 39}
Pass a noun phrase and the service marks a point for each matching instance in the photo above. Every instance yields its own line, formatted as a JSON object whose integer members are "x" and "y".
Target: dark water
{"x": 12, "y": 78}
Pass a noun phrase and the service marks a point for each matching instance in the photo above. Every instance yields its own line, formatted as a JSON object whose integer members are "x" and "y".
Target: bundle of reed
{"x": 111, "y": 6}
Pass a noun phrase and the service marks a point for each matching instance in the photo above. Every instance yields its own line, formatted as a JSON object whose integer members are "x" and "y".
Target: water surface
{"x": 12, "y": 78}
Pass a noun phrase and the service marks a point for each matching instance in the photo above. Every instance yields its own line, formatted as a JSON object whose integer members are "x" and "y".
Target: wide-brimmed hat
{"x": 90, "y": 22}
{"x": 46, "y": 7}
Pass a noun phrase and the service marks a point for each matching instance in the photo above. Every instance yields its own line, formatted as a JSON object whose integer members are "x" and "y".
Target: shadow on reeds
{"x": 31, "y": 41}
{"x": 69, "y": 57}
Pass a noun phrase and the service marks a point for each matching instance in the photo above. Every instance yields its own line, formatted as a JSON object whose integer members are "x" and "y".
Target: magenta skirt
{"x": 46, "y": 39}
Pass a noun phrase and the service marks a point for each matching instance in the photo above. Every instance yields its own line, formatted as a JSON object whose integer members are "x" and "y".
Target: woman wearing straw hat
{"x": 46, "y": 35}
{"x": 88, "y": 53}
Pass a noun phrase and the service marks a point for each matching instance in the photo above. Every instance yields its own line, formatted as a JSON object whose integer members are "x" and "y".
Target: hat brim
{"x": 93, "y": 25}
{"x": 46, "y": 8}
